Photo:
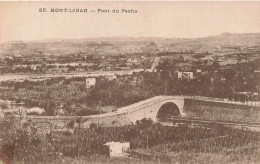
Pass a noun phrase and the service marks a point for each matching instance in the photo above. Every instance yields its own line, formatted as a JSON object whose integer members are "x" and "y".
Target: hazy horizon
{"x": 21, "y": 21}
{"x": 110, "y": 37}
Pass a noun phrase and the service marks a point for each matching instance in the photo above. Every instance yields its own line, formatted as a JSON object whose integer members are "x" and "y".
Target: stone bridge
{"x": 154, "y": 108}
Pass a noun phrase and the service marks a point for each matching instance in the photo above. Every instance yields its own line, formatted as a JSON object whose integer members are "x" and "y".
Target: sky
{"x": 23, "y": 21}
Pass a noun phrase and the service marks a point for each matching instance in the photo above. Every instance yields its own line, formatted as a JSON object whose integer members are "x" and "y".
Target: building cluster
{"x": 68, "y": 63}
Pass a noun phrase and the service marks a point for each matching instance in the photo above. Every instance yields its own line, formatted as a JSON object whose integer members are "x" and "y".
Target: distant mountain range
{"x": 225, "y": 42}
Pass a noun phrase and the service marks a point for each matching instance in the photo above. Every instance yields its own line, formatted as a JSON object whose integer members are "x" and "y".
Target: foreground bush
{"x": 30, "y": 144}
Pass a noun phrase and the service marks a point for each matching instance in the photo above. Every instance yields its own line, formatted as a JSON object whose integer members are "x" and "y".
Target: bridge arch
{"x": 168, "y": 109}
{"x": 156, "y": 108}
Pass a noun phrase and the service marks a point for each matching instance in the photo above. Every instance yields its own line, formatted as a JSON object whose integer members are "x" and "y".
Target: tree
{"x": 49, "y": 108}
{"x": 215, "y": 64}
{"x": 165, "y": 68}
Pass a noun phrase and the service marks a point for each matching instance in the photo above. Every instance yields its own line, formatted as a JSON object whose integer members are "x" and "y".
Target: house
{"x": 118, "y": 149}
{"x": 90, "y": 82}
{"x": 185, "y": 75}
{"x": 111, "y": 77}
{"x": 34, "y": 110}
{"x": 132, "y": 61}
{"x": 33, "y": 67}
{"x": 196, "y": 73}
{"x": 223, "y": 79}
{"x": 59, "y": 112}
{"x": 156, "y": 62}
{"x": 143, "y": 58}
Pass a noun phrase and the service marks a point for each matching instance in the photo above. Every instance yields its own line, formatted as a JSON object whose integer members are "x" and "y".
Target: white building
{"x": 118, "y": 149}
{"x": 35, "y": 110}
{"x": 185, "y": 75}
{"x": 33, "y": 67}
{"x": 111, "y": 77}
{"x": 90, "y": 82}
{"x": 132, "y": 61}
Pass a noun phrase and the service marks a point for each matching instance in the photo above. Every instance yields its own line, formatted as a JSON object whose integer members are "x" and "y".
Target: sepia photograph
{"x": 133, "y": 82}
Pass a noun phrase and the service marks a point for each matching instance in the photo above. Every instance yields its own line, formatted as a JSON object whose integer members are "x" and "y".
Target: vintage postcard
{"x": 129, "y": 82}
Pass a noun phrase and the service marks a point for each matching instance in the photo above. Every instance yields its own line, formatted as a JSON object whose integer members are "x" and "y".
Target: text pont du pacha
{"x": 83, "y": 10}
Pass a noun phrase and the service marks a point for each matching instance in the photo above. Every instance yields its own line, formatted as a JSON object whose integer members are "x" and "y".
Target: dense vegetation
{"x": 33, "y": 143}
{"x": 72, "y": 95}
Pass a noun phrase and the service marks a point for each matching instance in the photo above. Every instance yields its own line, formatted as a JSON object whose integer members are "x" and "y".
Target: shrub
{"x": 87, "y": 112}
{"x": 3, "y": 105}
{"x": 30, "y": 144}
